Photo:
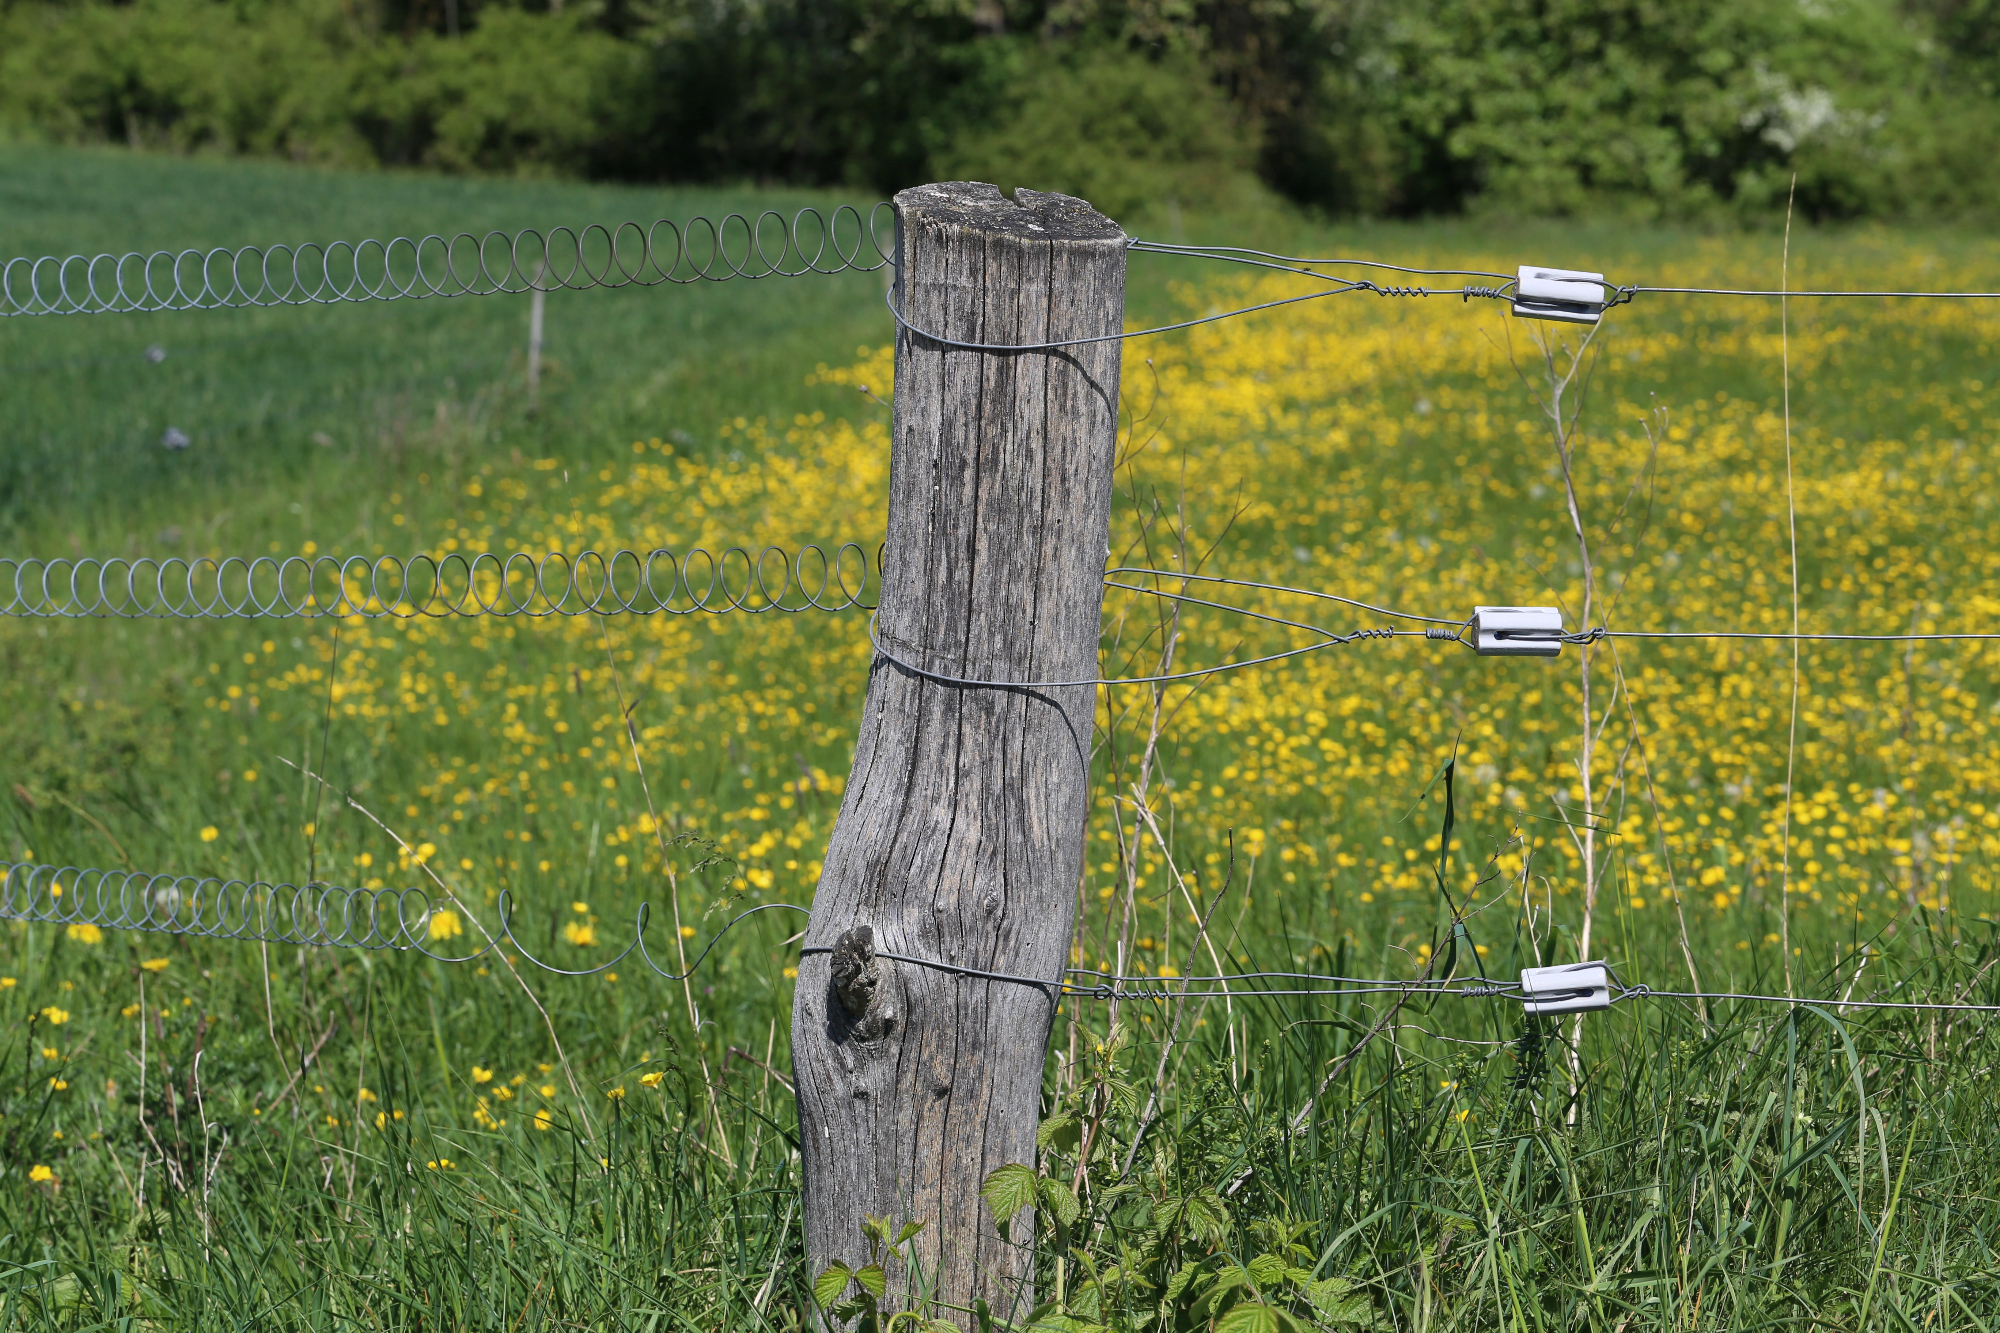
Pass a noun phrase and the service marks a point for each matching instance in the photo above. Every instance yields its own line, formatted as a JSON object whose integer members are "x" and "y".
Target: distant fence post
{"x": 960, "y": 836}
{"x": 536, "y": 304}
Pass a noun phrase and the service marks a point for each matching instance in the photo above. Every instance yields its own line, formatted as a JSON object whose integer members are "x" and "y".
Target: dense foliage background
{"x": 1680, "y": 108}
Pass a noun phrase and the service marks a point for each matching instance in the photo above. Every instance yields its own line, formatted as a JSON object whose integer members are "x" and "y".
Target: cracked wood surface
{"x": 960, "y": 835}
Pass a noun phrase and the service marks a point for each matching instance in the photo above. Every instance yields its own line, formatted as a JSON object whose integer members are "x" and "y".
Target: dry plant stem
{"x": 1563, "y": 423}
{"x": 1202, "y": 937}
{"x": 1660, "y": 827}
{"x": 673, "y": 879}
{"x": 562, "y": 1058}
{"x": 1792, "y": 538}
{"x": 673, "y": 888}
{"x": 304, "y": 1065}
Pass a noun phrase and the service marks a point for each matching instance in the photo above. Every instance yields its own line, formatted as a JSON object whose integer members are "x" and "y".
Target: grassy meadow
{"x": 212, "y": 1134}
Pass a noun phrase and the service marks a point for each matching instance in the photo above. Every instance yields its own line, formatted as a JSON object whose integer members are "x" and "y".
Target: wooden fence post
{"x": 960, "y": 835}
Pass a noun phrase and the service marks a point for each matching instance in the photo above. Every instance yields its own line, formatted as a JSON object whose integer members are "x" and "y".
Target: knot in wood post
{"x": 853, "y": 967}
{"x": 960, "y": 838}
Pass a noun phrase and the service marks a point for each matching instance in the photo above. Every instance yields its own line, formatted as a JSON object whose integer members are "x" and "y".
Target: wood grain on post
{"x": 961, "y": 832}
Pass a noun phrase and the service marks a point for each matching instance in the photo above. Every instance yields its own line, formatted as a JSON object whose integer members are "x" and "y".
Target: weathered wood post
{"x": 960, "y": 836}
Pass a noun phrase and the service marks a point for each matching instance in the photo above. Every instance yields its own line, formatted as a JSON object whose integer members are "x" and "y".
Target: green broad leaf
{"x": 1177, "y": 1285}
{"x": 1008, "y": 1190}
{"x": 1339, "y": 1301}
{"x": 982, "y": 1316}
{"x": 1221, "y": 1294}
{"x": 1255, "y": 1317}
{"x": 1207, "y": 1216}
{"x": 876, "y": 1229}
{"x": 1060, "y": 1200}
{"x": 909, "y": 1229}
{"x": 1060, "y": 1131}
{"x": 1060, "y": 1322}
{"x": 828, "y": 1285}
{"x": 873, "y": 1280}
{"x": 1267, "y": 1270}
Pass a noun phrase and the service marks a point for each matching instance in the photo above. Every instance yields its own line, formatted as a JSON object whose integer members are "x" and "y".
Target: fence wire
{"x": 635, "y": 254}
{"x": 621, "y": 582}
{"x": 416, "y": 268}
{"x": 319, "y": 915}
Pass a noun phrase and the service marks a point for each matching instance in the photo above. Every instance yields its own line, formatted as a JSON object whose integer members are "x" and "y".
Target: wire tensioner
{"x": 1565, "y": 295}
{"x": 1517, "y": 631}
{"x": 1572, "y": 988}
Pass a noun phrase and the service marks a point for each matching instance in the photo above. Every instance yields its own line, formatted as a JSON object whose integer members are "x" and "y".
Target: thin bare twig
{"x": 451, "y": 896}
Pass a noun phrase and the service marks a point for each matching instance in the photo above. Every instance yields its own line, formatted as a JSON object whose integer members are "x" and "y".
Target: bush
{"x": 1116, "y": 128}
{"x": 1685, "y": 108}
{"x": 520, "y": 93}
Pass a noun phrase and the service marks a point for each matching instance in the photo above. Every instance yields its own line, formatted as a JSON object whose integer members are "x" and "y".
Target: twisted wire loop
{"x": 621, "y": 582}
{"x": 316, "y": 914}
{"x": 416, "y": 268}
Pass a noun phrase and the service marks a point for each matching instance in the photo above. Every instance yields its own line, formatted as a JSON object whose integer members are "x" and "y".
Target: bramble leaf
{"x": 1338, "y": 1302}
{"x": 829, "y": 1284}
{"x": 1060, "y": 1131}
{"x": 1008, "y": 1190}
{"x": 1060, "y": 1201}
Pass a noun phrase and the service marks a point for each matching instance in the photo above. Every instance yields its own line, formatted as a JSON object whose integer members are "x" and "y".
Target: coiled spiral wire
{"x": 315, "y": 915}
{"x": 415, "y": 268}
{"x": 621, "y": 582}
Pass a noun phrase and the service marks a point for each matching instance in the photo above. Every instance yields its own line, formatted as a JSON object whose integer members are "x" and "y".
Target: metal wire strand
{"x": 1341, "y": 287}
{"x": 1278, "y": 587}
{"x": 1331, "y": 640}
{"x": 412, "y": 268}
{"x": 1648, "y": 993}
{"x": 1735, "y": 291}
{"x": 328, "y": 916}
{"x": 1593, "y": 635}
{"x": 622, "y": 582}
{"x": 1265, "y": 258}
{"x": 317, "y": 915}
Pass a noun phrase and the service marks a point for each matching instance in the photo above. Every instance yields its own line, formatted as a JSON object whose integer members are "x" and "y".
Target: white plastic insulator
{"x": 1563, "y": 294}
{"x": 1573, "y": 988}
{"x": 1517, "y": 631}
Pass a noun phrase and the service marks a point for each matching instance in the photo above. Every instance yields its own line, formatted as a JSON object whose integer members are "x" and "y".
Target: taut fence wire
{"x": 641, "y": 254}
{"x": 319, "y": 915}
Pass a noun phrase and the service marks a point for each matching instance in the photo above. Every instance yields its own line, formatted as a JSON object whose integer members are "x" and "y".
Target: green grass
{"x": 1750, "y": 1169}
